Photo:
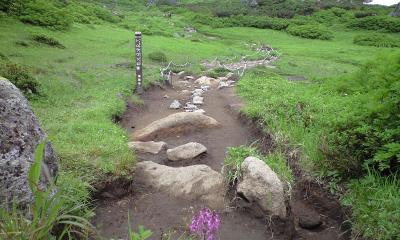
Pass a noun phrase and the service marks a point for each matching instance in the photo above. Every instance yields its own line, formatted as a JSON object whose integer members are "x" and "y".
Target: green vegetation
{"x": 20, "y": 76}
{"x": 48, "y": 41}
{"x": 375, "y": 200}
{"x": 236, "y": 155}
{"x": 344, "y": 116}
{"x": 377, "y": 40}
{"x": 310, "y": 31}
{"x": 158, "y": 57}
{"x": 48, "y": 210}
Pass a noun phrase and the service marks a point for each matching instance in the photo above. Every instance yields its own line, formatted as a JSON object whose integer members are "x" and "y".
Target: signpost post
{"x": 138, "y": 54}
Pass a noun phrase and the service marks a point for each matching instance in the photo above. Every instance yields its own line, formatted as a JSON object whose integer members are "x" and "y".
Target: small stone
{"x": 198, "y": 92}
{"x": 223, "y": 85}
{"x": 186, "y": 151}
{"x": 229, "y": 75}
{"x": 200, "y": 111}
{"x": 205, "y": 88}
{"x": 175, "y": 105}
{"x": 181, "y": 73}
{"x": 222, "y": 79}
{"x": 204, "y": 80}
{"x": 190, "y": 107}
{"x": 198, "y": 100}
{"x": 166, "y": 96}
{"x": 189, "y": 78}
{"x": 310, "y": 220}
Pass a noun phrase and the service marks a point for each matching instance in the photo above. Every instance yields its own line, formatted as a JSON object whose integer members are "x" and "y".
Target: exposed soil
{"x": 163, "y": 214}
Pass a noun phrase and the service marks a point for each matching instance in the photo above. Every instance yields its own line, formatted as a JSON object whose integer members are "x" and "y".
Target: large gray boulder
{"x": 261, "y": 185}
{"x": 173, "y": 124}
{"x": 20, "y": 133}
{"x": 186, "y": 151}
{"x": 193, "y": 183}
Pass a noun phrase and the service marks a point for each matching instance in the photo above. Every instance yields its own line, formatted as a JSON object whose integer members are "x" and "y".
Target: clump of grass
{"x": 158, "y": 56}
{"x": 52, "y": 42}
{"x": 236, "y": 155}
{"x": 375, "y": 202}
{"x": 376, "y": 40}
{"x": 20, "y": 76}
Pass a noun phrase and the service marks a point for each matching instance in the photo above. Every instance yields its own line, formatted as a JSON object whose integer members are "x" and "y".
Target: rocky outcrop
{"x": 193, "y": 183}
{"x": 148, "y": 147}
{"x": 261, "y": 185}
{"x": 173, "y": 124}
{"x": 20, "y": 133}
{"x": 186, "y": 152}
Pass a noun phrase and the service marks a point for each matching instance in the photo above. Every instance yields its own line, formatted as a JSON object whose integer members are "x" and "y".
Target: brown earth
{"x": 163, "y": 214}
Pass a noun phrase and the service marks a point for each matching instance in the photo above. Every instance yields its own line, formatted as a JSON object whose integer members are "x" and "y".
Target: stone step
{"x": 174, "y": 124}
{"x": 186, "y": 151}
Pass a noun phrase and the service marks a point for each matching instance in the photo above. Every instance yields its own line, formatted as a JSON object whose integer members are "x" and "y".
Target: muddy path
{"x": 169, "y": 217}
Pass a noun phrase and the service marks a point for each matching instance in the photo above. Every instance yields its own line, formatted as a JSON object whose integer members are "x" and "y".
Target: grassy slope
{"x": 83, "y": 89}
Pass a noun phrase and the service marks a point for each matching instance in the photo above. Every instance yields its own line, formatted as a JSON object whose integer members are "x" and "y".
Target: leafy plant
{"x": 47, "y": 214}
{"x": 142, "y": 233}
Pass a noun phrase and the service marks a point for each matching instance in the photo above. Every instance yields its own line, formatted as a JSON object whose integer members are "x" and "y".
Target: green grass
{"x": 375, "y": 201}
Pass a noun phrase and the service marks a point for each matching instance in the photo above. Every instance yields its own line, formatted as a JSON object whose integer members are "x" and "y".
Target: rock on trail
{"x": 20, "y": 133}
{"x": 186, "y": 151}
{"x": 193, "y": 183}
{"x": 262, "y": 186}
{"x": 148, "y": 147}
{"x": 174, "y": 123}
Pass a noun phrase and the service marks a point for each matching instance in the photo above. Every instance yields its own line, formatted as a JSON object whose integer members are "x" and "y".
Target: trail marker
{"x": 138, "y": 54}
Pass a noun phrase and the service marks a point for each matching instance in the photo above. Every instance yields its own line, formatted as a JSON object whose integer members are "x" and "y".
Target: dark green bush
{"x": 377, "y": 40}
{"x": 45, "y": 14}
{"x": 385, "y": 23}
{"x": 158, "y": 56}
{"x": 43, "y": 39}
{"x": 363, "y": 14}
{"x": 20, "y": 76}
{"x": 369, "y": 135}
{"x": 310, "y": 31}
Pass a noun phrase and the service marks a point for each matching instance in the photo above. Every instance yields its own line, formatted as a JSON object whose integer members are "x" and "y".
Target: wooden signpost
{"x": 139, "y": 70}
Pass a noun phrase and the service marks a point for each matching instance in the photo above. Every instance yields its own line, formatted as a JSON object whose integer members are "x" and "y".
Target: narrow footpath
{"x": 180, "y": 137}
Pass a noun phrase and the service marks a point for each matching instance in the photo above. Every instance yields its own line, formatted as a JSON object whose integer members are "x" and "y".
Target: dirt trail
{"x": 165, "y": 215}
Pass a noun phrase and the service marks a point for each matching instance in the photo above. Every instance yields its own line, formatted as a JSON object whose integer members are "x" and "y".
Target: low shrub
{"x": 363, "y": 14}
{"x": 385, "y": 23}
{"x": 20, "y": 76}
{"x": 45, "y": 14}
{"x": 377, "y": 40}
{"x": 310, "y": 31}
{"x": 43, "y": 39}
{"x": 369, "y": 134}
{"x": 158, "y": 56}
